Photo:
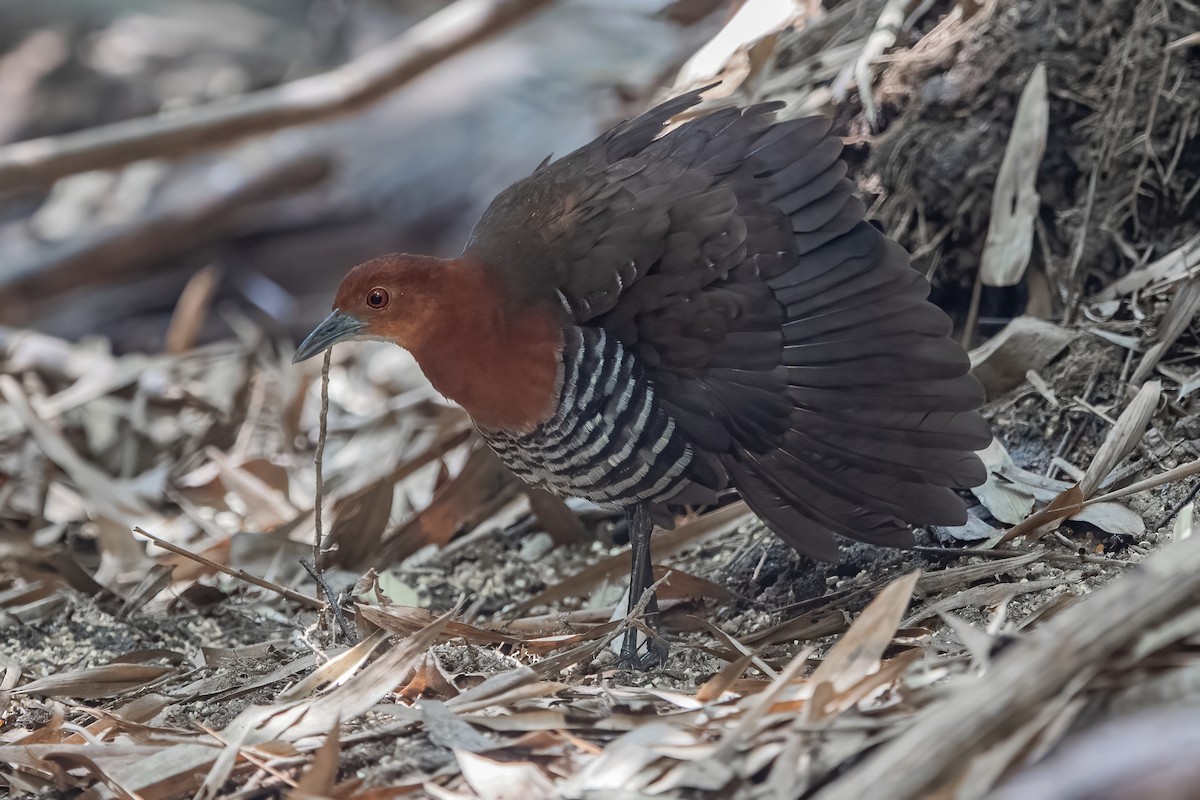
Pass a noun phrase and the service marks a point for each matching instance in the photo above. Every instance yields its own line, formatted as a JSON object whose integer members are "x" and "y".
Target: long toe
{"x": 629, "y": 647}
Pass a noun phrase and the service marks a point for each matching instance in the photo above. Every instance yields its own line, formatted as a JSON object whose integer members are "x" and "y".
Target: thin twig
{"x": 342, "y": 623}
{"x": 347, "y": 88}
{"x": 241, "y": 575}
{"x": 315, "y": 566}
{"x": 1170, "y": 515}
{"x": 319, "y": 465}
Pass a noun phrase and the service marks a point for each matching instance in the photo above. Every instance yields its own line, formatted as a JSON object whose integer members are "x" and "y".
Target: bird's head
{"x": 497, "y": 359}
{"x": 390, "y": 298}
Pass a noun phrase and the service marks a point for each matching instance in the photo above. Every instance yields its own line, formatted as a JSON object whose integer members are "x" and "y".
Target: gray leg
{"x": 642, "y": 578}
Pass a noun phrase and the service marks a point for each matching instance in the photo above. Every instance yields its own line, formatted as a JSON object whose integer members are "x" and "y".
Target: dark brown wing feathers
{"x": 790, "y": 339}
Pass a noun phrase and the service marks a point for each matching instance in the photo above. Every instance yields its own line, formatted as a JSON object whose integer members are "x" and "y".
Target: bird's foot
{"x": 657, "y": 650}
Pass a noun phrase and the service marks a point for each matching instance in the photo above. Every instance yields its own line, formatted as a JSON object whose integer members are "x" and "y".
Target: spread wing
{"x": 788, "y": 337}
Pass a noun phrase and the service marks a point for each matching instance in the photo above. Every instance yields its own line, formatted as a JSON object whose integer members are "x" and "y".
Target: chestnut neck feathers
{"x": 500, "y": 363}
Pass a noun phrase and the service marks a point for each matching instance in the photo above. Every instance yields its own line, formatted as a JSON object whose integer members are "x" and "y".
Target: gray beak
{"x": 337, "y": 327}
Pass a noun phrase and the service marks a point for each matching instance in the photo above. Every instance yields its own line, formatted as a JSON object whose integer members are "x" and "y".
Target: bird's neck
{"x": 501, "y": 364}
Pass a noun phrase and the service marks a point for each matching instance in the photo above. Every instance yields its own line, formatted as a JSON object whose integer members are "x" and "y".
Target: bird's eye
{"x": 377, "y": 297}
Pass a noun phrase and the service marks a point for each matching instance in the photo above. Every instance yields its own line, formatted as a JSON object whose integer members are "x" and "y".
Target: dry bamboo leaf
{"x": 1123, "y": 437}
{"x": 359, "y": 522}
{"x": 481, "y": 489}
{"x": 1175, "y": 474}
{"x": 725, "y": 56}
{"x": 978, "y": 642}
{"x": 1182, "y": 626}
{"x": 625, "y": 765}
{"x": 402, "y": 620}
{"x": 1041, "y": 387}
{"x": 157, "y": 579}
{"x": 737, "y": 647}
{"x": 986, "y": 596}
{"x": 92, "y": 683}
{"x": 348, "y": 701}
{"x": 889, "y": 673}
{"x": 1184, "y": 41}
{"x": 447, "y": 729}
{"x": 1015, "y": 201}
{"x": 760, "y": 705}
{"x": 102, "y": 494}
{"x": 546, "y": 644}
{"x": 680, "y": 585}
{"x": 1076, "y": 643}
{"x": 1061, "y": 506}
{"x": 500, "y": 780}
{"x": 1025, "y": 343}
{"x": 1174, "y": 265}
{"x": 387, "y": 589}
{"x": 1007, "y": 502}
{"x": 812, "y": 625}
{"x": 716, "y": 686}
{"x": 191, "y": 309}
{"x": 859, "y": 652}
{"x": 163, "y": 771}
{"x": 984, "y": 769}
{"x": 438, "y": 792}
{"x": 1188, "y": 385}
{"x": 1180, "y": 314}
{"x": 81, "y": 761}
{"x": 320, "y": 776}
{"x": 222, "y": 768}
{"x": 939, "y": 581}
{"x": 266, "y": 507}
{"x": 29, "y": 351}
{"x": 131, "y": 716}
{"x": 335, "y": 671}
{"x": 973, "y": 530}
{"x": 1124, "y": 340}
{"x": 498, "y": 685}
{"x": 1112, "y": 518}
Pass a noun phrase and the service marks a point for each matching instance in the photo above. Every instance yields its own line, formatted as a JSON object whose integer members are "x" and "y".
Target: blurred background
{"x": 279, "y": 218}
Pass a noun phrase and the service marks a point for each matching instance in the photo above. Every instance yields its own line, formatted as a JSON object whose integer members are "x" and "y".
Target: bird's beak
{"x": 337, "y": 327}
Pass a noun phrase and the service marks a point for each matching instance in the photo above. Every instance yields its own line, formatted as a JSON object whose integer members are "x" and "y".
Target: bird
{"x": 669, "y": 316}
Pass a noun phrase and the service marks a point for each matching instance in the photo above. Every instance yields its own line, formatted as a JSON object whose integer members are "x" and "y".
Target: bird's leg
{"x": 641, "y": 525}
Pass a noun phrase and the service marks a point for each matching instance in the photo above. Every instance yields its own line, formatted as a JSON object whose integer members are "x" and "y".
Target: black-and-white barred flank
{"x": 609, "y": 441}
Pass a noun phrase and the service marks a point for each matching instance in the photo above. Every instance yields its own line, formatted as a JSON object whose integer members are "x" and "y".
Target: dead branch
{"x": 1074, "y": 644}
{"x": 121, "y": 251}
{"x": 319, "y": 97}
{"x": 240, "y": 574}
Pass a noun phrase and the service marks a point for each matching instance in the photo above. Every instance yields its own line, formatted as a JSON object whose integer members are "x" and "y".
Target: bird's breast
{"x": 609, "y": 440}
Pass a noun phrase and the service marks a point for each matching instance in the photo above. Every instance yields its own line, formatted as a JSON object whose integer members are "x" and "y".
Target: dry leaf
{"x": 92, "y": 683}
{"x": 1112, "y": 518}
{"x": 1179, "y": 316}
{"x": 1025, "y": 343}
{"x": 1015, "y": 201}
{"x": 1006, "y": 501}
{"x": 859, "y": 652}
{"x": 500, "y": 780}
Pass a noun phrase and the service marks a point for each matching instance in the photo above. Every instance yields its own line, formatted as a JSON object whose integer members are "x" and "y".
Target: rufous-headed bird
{"x": 660, "y": 317}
